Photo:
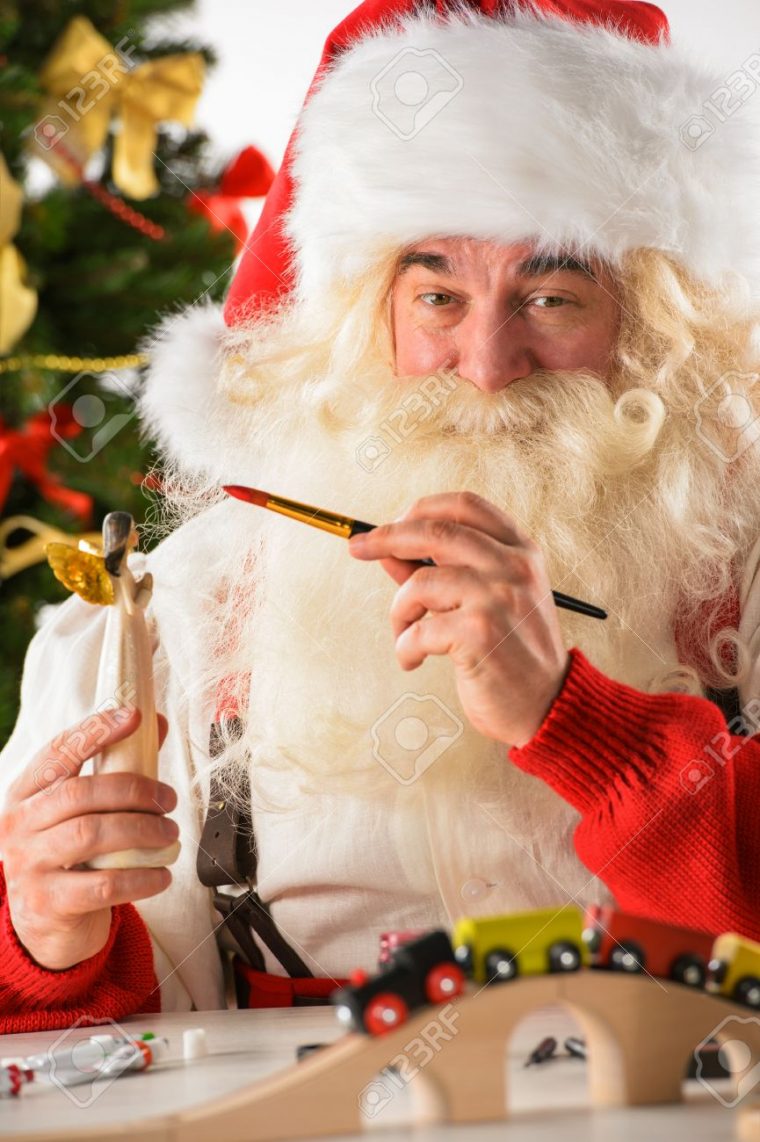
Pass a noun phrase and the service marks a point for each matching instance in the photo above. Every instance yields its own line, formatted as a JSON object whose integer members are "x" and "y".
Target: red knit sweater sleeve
{"x": 668, "y": 798}
{"x": 120, "y": 980}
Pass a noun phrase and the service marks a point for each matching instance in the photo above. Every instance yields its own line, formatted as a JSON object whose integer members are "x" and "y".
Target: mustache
{"x": 444, "y": 400}
{"x": 571, "y": 414}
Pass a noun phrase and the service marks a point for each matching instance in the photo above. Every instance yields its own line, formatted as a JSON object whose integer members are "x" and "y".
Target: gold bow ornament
{"x": 89, "y": 82}
{"x": 20, "y": 555}
{"x": 18, "y": 303}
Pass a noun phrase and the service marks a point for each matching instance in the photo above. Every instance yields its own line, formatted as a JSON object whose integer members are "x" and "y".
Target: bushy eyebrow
{"x": 535, "y": 266}
{"x": 540, "y": 264}
{"x": 438, "y": 263}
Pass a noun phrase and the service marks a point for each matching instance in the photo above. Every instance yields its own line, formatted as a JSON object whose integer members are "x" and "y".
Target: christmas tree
{"x": 124, "y": 229}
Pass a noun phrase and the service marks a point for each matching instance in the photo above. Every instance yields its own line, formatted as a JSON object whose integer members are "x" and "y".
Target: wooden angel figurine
{"x": 125, "y": 671}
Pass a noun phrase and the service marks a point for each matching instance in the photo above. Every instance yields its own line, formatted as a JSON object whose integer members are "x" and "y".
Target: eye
{"x": 434, "y": 304}
{"x": 550, "y": 301}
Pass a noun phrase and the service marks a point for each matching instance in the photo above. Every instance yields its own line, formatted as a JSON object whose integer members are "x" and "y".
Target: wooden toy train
{"x": 429, "y": 968}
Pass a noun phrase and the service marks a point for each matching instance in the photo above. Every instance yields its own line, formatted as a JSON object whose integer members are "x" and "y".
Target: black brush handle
{"x": 360, "y": 525}
{"x": 578, "y": 605}
{"x": 567, "y": 601}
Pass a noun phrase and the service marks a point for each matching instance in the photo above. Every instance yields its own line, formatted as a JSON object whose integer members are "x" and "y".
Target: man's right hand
{"x": 53, "y": 820}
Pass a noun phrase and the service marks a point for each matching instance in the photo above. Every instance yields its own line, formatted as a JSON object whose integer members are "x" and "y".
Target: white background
{"x": 269, "y": 49}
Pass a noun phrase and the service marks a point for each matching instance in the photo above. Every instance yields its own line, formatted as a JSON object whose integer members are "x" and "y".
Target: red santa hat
{"x": 570, "y": 122}
{"x": 574, "y": 123}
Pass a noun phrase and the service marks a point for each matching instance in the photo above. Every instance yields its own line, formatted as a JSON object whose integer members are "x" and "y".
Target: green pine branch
{"x": 101, "y": 287}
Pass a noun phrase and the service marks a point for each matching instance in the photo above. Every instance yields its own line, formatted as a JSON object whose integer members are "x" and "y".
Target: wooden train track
{"x": 640, "y": 1034}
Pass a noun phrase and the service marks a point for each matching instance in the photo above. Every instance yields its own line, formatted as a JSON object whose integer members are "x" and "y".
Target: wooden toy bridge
{"x": 640, "y": 1039}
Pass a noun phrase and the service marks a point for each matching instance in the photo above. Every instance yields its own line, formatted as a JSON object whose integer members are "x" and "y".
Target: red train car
{"x": 621, "y": 942}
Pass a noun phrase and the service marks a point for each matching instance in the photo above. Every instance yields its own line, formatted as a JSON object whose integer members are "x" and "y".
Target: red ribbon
{"x": 247, "y": 176}
{"x": 26, "y": 450}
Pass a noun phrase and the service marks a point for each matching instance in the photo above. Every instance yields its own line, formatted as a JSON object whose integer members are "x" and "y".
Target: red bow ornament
{"x": 26, "y": 450}
{"x": 247, "y": 176}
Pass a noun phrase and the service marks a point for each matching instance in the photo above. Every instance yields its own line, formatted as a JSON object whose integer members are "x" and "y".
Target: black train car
{"x": 420, "y": 971}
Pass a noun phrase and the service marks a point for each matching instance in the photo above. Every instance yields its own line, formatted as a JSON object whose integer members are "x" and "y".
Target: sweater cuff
{"x": 119, "y": 980}
{"x": 599, "y": 732}
{"x": 34, "y": 985}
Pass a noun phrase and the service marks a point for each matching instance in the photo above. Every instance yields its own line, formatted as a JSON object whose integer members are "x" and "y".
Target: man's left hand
{"x": 487, "y": 604}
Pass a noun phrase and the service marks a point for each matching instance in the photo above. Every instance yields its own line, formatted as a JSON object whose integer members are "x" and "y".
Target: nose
{"x": 492, "y": 350}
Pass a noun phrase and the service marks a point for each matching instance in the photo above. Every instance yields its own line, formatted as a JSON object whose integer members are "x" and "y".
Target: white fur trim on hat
{"x": 181, "y": 407}
{"x": 532, "y": 127}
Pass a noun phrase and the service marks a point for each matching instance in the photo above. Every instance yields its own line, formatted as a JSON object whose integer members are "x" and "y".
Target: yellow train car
{"x": 734, "y": 970}
{"x": 493, "y": 949}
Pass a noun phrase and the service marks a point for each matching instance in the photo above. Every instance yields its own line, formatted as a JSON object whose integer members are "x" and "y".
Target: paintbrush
{"x": 345, "y": 527}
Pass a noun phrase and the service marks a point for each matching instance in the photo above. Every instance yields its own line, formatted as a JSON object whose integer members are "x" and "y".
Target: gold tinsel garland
{"x": 71, "y": 364}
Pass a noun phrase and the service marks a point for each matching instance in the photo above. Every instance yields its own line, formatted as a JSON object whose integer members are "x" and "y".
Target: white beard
{"x": 317, "y": 641}
{"x": 304, "y": 628}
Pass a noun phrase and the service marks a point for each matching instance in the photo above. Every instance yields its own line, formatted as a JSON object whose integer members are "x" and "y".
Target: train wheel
{"x": 444, "y": 981}
{"x": 627, "y": 956}
{"x": 501, "y": 965}
{"x": 384, "y": 1013}
{"x": 689, "y": 969}
{"x": 564, "y": 956}
{"x": 747, "y": 991}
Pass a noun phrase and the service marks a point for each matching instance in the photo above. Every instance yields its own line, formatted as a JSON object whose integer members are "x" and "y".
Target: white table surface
{"x": 549, "y": 1102}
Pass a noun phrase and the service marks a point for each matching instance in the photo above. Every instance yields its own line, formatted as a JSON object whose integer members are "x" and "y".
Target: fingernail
{"x": 167, "y": 798}
{"x": 357, "y": 542}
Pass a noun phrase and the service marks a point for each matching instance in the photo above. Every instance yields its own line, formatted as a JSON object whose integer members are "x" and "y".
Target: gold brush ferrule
{"x": 325, "y": 521}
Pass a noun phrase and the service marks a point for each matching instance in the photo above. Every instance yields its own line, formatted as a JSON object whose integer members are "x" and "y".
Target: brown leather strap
{"x": 227, "y": 855}
{"x": 240, "y": 929}
{"x": 227, "y": 850}
{"x": 251, "y": 913}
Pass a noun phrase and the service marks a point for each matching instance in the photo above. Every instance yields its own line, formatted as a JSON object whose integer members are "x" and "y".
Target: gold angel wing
{"x": 82, "y": 572}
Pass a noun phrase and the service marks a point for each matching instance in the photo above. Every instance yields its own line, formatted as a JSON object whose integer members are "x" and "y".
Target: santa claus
{"x": 501, "y": 301}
